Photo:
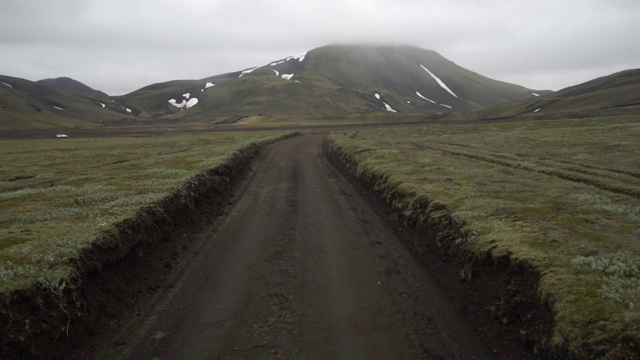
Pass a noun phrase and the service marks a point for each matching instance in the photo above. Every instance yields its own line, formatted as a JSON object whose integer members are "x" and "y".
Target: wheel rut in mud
{"x": 301, "y": 266}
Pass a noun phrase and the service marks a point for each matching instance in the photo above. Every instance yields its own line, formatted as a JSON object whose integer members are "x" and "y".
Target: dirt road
{"x": 301, "y": 267}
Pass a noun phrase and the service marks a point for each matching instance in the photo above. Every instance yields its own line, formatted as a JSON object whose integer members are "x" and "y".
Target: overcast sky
{"x": 118, "y": 46}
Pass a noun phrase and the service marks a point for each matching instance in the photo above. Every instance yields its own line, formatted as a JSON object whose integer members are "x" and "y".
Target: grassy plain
{"x": 562, "y": 197}
{"x": 59, "y": 195}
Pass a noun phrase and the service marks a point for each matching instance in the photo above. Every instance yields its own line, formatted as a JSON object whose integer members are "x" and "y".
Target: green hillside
{"x": 334, "y": 79}
{"x": 72, "y": 86}
{"x": 616, "y": 94}
{"x": 26, "y": 104}
{"x": 401, "y": 71}
{"x": 327, "y": 81}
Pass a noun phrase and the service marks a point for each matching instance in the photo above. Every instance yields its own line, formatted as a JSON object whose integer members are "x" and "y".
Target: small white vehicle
{"x": 59, "y": 136}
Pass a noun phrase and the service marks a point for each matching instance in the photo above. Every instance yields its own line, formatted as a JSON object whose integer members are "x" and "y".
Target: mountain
{"x": 26, "y": 104}
{"x": 72, "y": 86}
{"x": 615, "y": 94}
{"x": 329, "y": 80}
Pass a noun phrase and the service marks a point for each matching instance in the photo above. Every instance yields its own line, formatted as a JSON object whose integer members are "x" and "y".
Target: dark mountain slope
{"x": 72, "y": 86}
{"x": 26, "y": 105}
{"x": 403, "y": 71}
{"x": 617, "y": 90}
{"x": 615, "y": 94}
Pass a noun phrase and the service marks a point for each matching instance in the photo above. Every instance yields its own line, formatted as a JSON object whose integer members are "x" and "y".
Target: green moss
{"x": 65, "y": 195}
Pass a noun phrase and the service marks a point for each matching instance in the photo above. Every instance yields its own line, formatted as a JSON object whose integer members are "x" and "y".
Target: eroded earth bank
{"x": 300, "y": 266}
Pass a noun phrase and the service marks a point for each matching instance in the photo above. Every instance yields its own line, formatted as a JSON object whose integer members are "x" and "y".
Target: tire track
{"x": 624, "y": 190}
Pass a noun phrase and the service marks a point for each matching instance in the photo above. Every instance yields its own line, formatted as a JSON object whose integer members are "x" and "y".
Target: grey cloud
{"x": 118, "y": 46}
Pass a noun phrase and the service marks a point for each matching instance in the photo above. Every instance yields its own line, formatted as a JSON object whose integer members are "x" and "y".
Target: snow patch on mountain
{"x": 420, "y": 95}
{"x": 179, "y": 105}
{"x": 377, "y": 96}
{"x": 101, "y": 104}
{"x": 287, "y": 76}
{"x": 534, "y": 94}
{"x": 388, "y": 107}
{"x": 4, "y": 83}
{"x": 187, "y": 95}
{"x": 445, "y": 105}
{"x": 191, "y": 102}
{"x": 536, "y": 110}
{"x": 127, "y": 110}
{"x": 437, "y": 79}
{"x": 299, "y": 57}
{"x": 209, "y": 84}
{"x": 184, "y": 103}
{"x": 276, "y": 63}
{"x": 248, "y": 71}
{"x": 276, "y": 71}
{"x": 58, "y": 108}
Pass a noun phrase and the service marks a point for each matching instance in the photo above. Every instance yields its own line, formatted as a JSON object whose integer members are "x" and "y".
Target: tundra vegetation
{"x": 559, "y": 197}
{"x": 60, "y": 196}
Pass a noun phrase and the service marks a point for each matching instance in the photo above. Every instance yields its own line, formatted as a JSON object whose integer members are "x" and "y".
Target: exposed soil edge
{"x": 108, "y": 278}
{"x": 497, "y": 295}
